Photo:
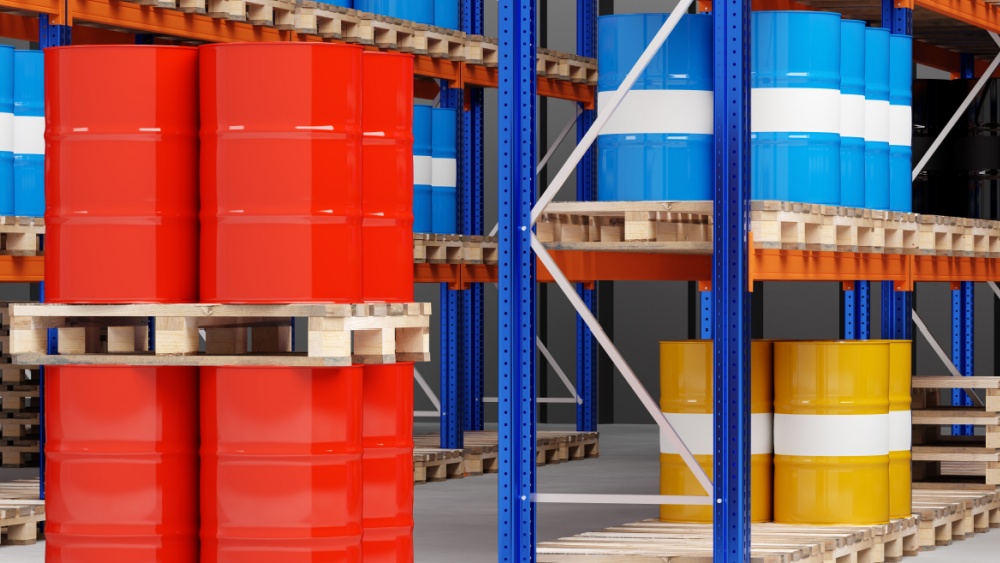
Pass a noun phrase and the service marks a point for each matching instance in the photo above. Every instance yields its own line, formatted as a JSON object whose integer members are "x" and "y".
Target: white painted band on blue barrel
{"x": 7, "y": 132}
{"x": 444, "y": 172}
{"x": 877, "y": 121}
{"x": 852, "y": 115}
{"x": 793, "y": 110}
{"x": 422, "y": 170}
{"x": 900, "y": 126}
{"x": 660, "y": 111}
{"x": 29, "y": 134}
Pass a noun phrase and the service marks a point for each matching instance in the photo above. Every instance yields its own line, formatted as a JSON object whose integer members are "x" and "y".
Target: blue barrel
{"x": 852, "y": 113}
{"x": 419, "y": 11}
{"x": 6, "y": 131}
{"x": 658, "y": 145}
{"x": 341, "y": 3}
{"x": 29, "y": 133}
{"x": 444, "y": 171}
{"x": 446, "y": 14}
{"x": 795, "y": 106}
{"x": 422, "y": 169}
{"x": 900, "y": 122}
{"x": 876, "y": 118}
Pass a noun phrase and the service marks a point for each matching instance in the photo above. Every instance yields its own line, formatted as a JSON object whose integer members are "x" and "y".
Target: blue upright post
{"x": 516, "y": 323}
{"x": 471, "y": 207}
{"x": 962, "y": 339}
{"x": 849, "y": 329}
{"x": 705, "y": 306}
{"x": 586, "y": 190}
{"x": 857, "y": 312}
{"x": 48, "y": 36}
{"x": 450, "y": 358}
{"x": 730, "y": 281}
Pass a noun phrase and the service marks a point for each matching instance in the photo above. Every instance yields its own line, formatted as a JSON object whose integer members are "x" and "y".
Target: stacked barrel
{"x": 840, "y": 436}
{"x": 22, "y": 133}
{"x": 122, "y": 442}
{"x": 830, "y": 124}
{"x": 440, "y": 13}
{"x": 435, "y": 170}
{"x": 301, "y": 464}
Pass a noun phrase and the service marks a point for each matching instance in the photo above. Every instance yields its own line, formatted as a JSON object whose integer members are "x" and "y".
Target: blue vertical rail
{"x": 586, "y": 190}
{"x": 450, "y": 357}
{"x": 857, "y": 312}
{"x": 730, "y": 281}
{"x": 705, "y": 309}
{"x": 49, "y": 35}
{"x": 516, "y": 323}
{"x": 962, "y": 341}
{"x": 471, "y": 164}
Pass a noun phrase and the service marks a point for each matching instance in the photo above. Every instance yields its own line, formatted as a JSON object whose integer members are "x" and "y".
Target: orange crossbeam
{"x": 22, "y": 269}
{"x": 972, "y": 12}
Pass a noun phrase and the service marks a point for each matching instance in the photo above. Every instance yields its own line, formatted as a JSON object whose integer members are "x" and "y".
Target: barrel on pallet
{"x": 6, "y": 131}
{"x": 388, "y": 463}
{"x": 446, "y": 14}
{"x": 877, "y": 118}
{"x": 288, "y": 227}
{"x": 852, "y": 113}
{"x": 281, "y": 464}
{"x": 831, "y": 432}
{"x": 900, "y": 429}
{"x": 444, "y": 171}
{"x": 122, "y": 183}
{"x": 121, "y": 464}
{"x": 686, "y": 384}
{"x": 647, "y": 152}
{"x": 387, "y": 177}
{"x": 795, "y": 106}
{"x": 900, "y": 122}
{"x": 422, "y": 165}
{"x": 29, "y": 133}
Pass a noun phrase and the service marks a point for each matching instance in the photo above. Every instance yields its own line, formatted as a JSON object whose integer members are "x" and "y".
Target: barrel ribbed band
{"x": 696, "y": 430}
{"x": 6, "y": 132}
{"x": 824, "y": 435}
{"x": 444, "y": 172}
{"x": 900, "y": 125}
{"x": 852, "y": 116}
{"x": 422, "y": 167}
{"x": 660, "y": 111}
{"x": 795, "y": 110}
{"x": 877, "y": 121}
{"x": 900, "y": 433}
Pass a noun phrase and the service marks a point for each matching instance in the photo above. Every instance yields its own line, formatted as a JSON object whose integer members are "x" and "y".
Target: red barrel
{"x": 122, "y": 464}
{"x": 122, "y": 174}
{"x": 387, "y": 162}
{"x": 281, "y": 465}
{"x": 280, "y": 172}
{"x": 388, "y": 463}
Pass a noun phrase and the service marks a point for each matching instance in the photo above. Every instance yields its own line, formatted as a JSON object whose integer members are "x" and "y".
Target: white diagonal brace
{"x": 558, "y": 370}
{"x": 996, "y": 290}
{"x": 647, "y": 401}
{"x": 427, "y": 389}
{"x": 604, "y": 113}
{"x": 619, "y": 499}
{"x": 960, "y": 111}
{"x": 941, "y": 354}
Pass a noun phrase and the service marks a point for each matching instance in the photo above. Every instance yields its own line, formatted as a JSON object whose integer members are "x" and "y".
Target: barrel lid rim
{"x": 803, "y": 12}
{"x": 119, "y": 47}
{"x": 286, "y": 44}
{"x": 843, "y": 20}
{"x": 647, "y": 14}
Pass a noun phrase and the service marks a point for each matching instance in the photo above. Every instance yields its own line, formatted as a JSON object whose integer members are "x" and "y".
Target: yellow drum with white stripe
{"x": 686, "y": 386}
{"x": 831, "y": 432}
{"x": 900, "y": 429}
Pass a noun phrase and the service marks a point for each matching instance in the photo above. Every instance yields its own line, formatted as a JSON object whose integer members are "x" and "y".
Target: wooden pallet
{"x": 686, "y": 227}
{"x": 19, "y": 455}
{"x": 20, "y": 512}
{"x": 339, "y": 334}
{"x": 454, "y": 249}
{"x": 942, "y": 520}
{"x": 21, "y": 236}
{"x": 654, "y": 541}
{"x": 431, "y": 465}
{"x": 982, "y": 508}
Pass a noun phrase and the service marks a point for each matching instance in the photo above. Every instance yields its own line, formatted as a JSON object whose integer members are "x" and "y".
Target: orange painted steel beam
{"x": 23, "y": 269}
{"x": 89, "y": 35}
{"x": 443, "y": 69}
{"x": 16, "y": 26}
{"x": 487, "y": 77}
{"x": 801, "y": 265}
{"x": 972, "y": 12}
{"x": 954, "y": 269}
{"x": 51, "y": 7}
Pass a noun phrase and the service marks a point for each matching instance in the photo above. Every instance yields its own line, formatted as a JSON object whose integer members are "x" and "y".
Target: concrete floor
{"x": 456, "y": 520}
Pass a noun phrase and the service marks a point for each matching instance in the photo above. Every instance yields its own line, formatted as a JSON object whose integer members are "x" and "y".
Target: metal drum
{"x": 287, "y": 228}
{"x": 900, "y": 429}
{"x": 446, "y": 14}
{"x": 900, "y": 122}
{"x": 831, "y": 432}
{"x": 686, "y": 385}
{"x": 444, "y": 171}
{"x": 877, "y": 118}
{"x": 29, "y": 133}
{"x": 418, "y": 11}
{"x": 122, "y": 150}
{"x": 422, "y": 163}
{"x": 281, "y": 465}
{"x": 387, "y": 177}
{"x": 388, "y": 463}
{"x": 6, "y": 131}
{"x": 852, "y": 113}
{"x": 650, "y": 149}
{"x": 121, "y": 456}
{"x": 795, "y": 106}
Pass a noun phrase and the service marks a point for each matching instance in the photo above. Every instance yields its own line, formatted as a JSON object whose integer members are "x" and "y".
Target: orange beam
{"x": 19, "y": 27}
{"x": 486, "y": 77}
{"x": 972, "y": 12}
{"x": 36, "y": 6}
{"x": 800, "y": 265}
{"x": 22, "y": 269}
{"x": 89, "y": 35}
{"x": 954, "y": 269}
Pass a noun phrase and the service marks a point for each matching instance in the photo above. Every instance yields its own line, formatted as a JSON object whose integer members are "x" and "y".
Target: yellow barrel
{"x": 831, "y": 432}
{"x": 900, "y": 433}
{"x": 686, "y": 400}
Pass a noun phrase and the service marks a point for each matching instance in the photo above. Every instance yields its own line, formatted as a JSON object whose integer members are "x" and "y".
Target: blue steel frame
{"x": 450, "y": 356}
{"x": 48, "y": 36}
{"x": 471, "y": 221}
{"x": 962, "y": 340}
{"x": 516, "y": 322}
{"x": 731, "y": 314}
{"x": 586, "y": 190}
{"x": 857, "y": 312}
